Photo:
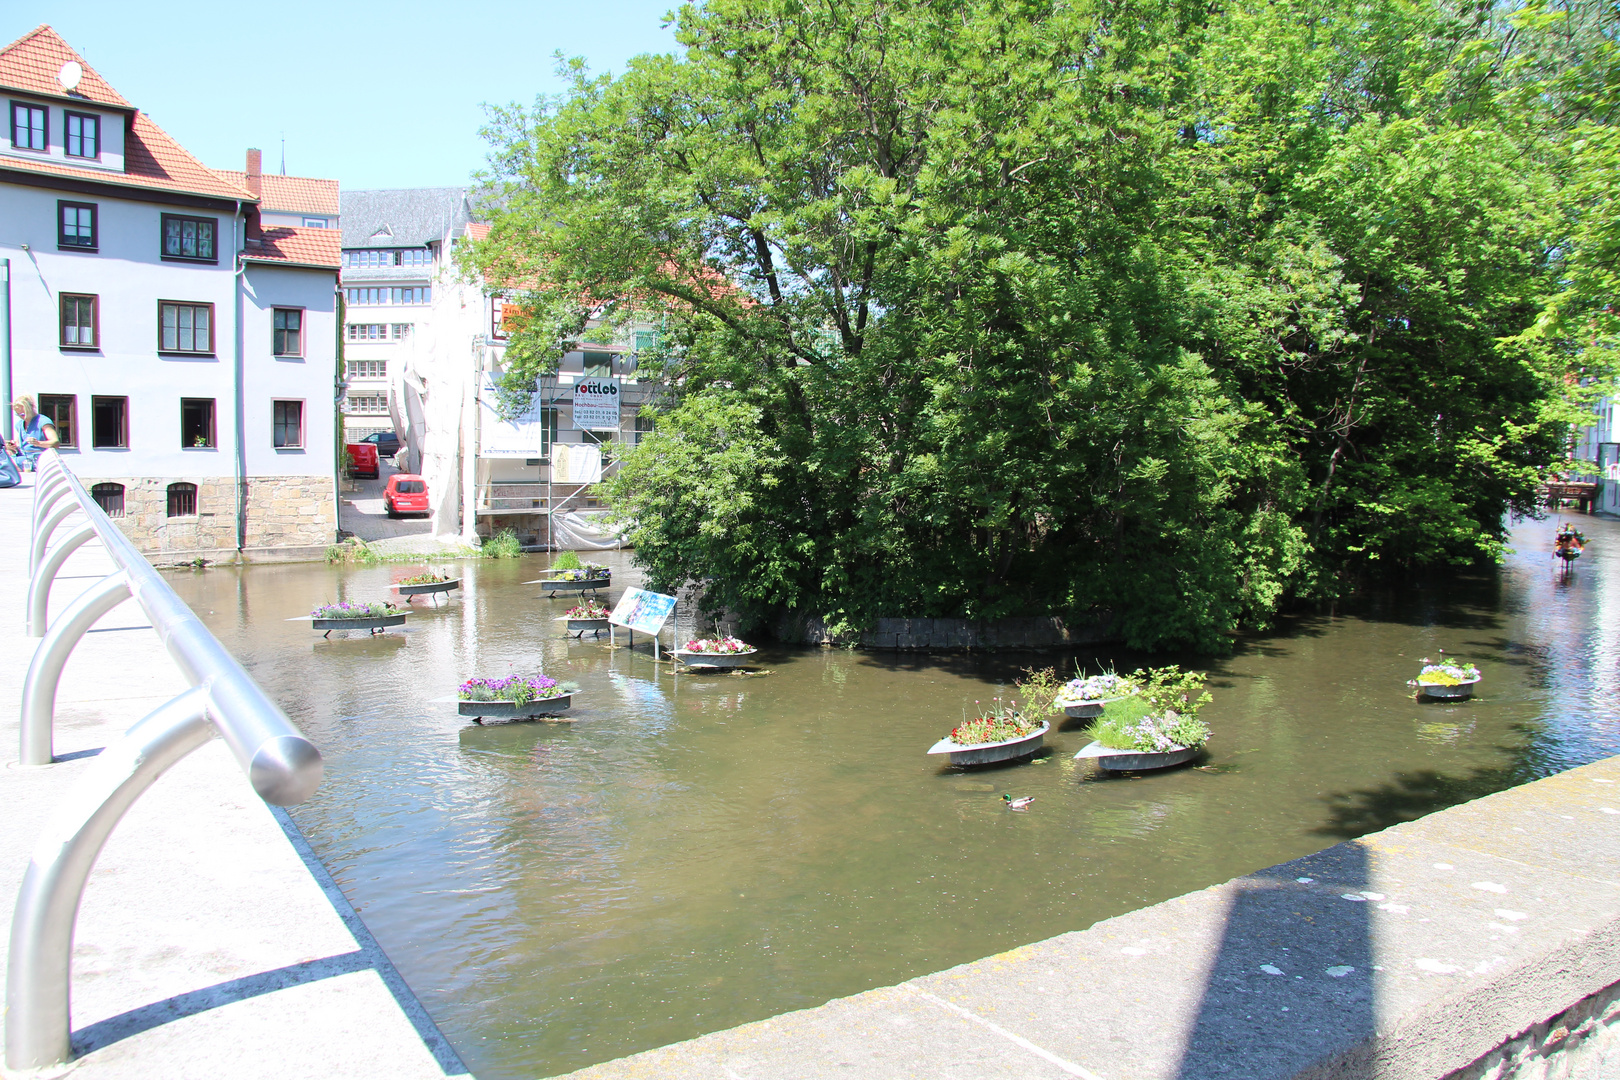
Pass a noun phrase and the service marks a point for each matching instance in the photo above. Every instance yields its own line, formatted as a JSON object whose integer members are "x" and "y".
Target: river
{"x": 698, "y": 851}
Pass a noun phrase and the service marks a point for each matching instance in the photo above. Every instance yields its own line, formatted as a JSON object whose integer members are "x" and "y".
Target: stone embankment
{"x": 1479, "y": 942}
{"x": 211, "y": 943}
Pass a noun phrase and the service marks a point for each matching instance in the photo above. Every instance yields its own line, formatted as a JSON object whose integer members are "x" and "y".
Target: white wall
{"x": 111, "y": 158}
{"x": 309, "y": 378}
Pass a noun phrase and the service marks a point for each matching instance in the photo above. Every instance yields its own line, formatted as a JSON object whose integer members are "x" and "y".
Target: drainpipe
{"x": 5, "y": 342}
{"x": 237, "y": 374}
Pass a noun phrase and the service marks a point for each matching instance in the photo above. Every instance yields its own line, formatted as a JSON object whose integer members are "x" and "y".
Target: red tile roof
{"x": 32, "y": 63}
{"x": 152, "y": 159}
{"x": 291, "y": 194}
{"x": 477, "y": 230}
{"x": 297, "y": 247}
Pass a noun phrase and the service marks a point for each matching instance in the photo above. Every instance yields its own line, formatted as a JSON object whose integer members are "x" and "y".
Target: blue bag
{"x": 10, "y": 475}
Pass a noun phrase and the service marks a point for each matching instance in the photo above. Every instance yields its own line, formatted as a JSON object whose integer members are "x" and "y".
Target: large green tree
{"x": 987, "y": 308}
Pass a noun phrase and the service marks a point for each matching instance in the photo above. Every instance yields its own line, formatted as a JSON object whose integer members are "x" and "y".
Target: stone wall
{"x": 287, "y": 517}
{"x": 952, "y": 635}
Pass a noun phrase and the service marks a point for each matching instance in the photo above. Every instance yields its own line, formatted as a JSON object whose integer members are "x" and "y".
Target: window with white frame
{"x": 374, "y": 297}
{"x": 368, "y": 404}
{"x": 367, "y": 332}
{"x": 402, "y": 330}
{"x": 368, "y": 369}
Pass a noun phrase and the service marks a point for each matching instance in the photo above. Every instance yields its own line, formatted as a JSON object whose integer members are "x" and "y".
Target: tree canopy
{"x": 1169, "y": 310}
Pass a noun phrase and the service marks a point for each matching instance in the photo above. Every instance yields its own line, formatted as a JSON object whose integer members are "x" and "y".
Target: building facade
{"x": 184, "y": 348}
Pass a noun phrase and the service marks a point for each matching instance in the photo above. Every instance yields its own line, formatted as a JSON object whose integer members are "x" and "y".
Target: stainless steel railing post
{"x": 39, "y": 586}
{"x": 42, "y": 509}
{"x": 42, "y": 533}
{"x": 39, "y": 971}
{"x": 45, "y": 670}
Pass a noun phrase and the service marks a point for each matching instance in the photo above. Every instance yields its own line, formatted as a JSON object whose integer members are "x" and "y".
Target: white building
{"x": 185, "y": 349}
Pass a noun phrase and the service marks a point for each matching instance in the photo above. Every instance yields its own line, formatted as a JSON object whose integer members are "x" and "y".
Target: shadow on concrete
{"x": 1291, "y": 986}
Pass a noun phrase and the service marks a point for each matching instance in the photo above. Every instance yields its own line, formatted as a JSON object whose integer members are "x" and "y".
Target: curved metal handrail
{"x": 283, "y": 766}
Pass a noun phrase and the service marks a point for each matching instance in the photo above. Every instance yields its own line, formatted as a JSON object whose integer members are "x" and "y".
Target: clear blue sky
{"x": 385, "y": 93}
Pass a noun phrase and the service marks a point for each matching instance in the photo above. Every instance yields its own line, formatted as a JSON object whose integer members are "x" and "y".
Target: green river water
{"x": 698, "y": 851}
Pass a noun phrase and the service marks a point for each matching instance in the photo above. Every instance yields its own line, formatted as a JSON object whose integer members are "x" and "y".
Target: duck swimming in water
{"x": 1020, "y": 803}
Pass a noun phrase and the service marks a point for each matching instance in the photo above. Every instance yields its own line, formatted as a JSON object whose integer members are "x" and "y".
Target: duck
{"x": 1020, "y": 803}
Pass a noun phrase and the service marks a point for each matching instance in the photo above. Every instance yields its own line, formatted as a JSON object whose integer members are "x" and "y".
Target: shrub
{"x": 503, "y": 545}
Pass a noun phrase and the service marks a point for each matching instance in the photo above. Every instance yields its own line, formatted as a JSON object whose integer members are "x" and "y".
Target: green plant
{"x": 566, "y": 560}
{"x": 1001, "y": 722}
{"x": 503, "y": 545}
{"x": 1163, "y": 715}
{"x": 345, "y": 610}
{"x": 428, "y": 578}
{"x": 352, "y": 550}
{"x": 1038, "y": 691}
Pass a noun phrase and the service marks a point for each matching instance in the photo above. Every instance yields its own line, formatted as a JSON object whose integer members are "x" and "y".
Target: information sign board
{"x": 596, "y": 404}
{"x": 641, "y": 610}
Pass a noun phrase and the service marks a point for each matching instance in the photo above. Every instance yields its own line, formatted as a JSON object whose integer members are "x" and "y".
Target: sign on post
{"x": 596, "y": 404}
{"x": 641, "y": 610}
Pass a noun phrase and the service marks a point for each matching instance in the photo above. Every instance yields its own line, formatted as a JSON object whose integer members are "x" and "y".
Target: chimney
{"x": 254, "y": 165}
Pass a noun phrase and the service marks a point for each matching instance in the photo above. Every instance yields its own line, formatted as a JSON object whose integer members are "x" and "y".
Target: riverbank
{"x": 211, "y": 943}
{"x": 1481, "y": 941}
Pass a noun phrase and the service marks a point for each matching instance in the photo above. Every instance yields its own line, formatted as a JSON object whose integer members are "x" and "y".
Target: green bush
{"x": 503, "y": 545}
{"x": 566, "y": 560}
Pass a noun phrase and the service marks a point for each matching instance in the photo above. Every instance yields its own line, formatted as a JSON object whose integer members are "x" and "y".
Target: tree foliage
{"x": 1009, "y": 306}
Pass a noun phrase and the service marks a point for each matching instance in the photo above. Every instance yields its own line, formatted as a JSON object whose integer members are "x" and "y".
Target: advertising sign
{"x": 523, "y": 436}
{"x": 641, "y": 610}
{"x": 596, "y": 404}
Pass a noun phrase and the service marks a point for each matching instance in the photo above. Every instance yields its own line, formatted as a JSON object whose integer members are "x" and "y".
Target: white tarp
{"x": 585, "y": 530}
{"x": 576, "y": 463}
{"x": 523, "y": 436}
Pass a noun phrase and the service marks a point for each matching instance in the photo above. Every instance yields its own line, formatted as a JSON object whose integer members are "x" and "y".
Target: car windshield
{"x": 411, "y": 487}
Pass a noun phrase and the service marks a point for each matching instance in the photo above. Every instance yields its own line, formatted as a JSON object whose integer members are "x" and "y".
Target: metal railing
{"x": 283, "y": 766}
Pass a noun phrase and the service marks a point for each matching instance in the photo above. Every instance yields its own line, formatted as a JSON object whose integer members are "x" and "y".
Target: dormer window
{"x": 83, "y": 136}
{"x": 28, "y": 127}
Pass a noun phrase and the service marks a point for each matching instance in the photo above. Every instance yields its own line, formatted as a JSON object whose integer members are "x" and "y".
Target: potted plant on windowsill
{"x": 718, "y": 652}
{"x": 513, "y": 698}
{"x": 1154, "y": 728}
{"x": 1085, "y": 697}
{"x": 587, "y": 616}
{"x": 346, "y": 616}
{"x": 1446, "y": 680}
{"x": 1001, "y": 733}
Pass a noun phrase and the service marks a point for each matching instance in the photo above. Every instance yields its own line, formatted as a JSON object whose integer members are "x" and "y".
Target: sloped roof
{"x": 290, "y": 194}
{"x": 32, "y": 62}
{"x": 402, "y": 217}
{"x": 152, "y": 159}
{"x": 290, "y": 246}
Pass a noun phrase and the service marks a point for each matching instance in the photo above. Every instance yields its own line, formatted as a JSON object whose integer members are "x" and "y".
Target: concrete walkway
{"x": 211, "y": 943}
{"x": 1481, "y": 941}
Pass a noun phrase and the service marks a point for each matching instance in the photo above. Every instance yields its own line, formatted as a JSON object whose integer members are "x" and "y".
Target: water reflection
{"x": 694, "y": 852}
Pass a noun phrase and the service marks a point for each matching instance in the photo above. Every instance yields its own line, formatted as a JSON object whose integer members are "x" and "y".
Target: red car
{"x": 406, "y": 493}
{"x": 364, "y": 456}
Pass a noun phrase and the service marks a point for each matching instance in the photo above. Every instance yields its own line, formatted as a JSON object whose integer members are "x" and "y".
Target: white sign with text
{"x": 596, "y": 404}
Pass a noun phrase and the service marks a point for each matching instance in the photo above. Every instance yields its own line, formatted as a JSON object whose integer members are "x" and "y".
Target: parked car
{"x": 386, "y": 442}
{"x": 365, "y": 458}
{"x": 405, "y": 493}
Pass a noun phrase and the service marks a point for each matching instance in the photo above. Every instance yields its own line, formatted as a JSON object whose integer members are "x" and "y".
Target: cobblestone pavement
{"x": 360, "y": 510}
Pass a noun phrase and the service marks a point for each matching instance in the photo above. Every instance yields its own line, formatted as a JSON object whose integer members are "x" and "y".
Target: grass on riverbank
{"x": 356, "y": 552}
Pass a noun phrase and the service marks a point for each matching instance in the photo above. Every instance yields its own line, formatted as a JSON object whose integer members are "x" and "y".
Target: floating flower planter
{"x": 342, "y": 616}
{"x": 513, "y": 698}
{"x": 1002, "y": 734}
{"x": 1155, "y": 727}
{"x": 426, "y": 585}
{"x": 588, "y": 579}
{"x": 1083, "y": 699}
{"x": 586, "y": 617}
{"x": 1448, "y": 680}
{"x": 726, "y": 652}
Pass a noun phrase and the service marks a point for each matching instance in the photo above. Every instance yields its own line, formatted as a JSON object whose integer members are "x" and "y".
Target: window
{"x": 414, "y": 294}
{"x": 314, "y": 223}
{"x": 402, "y": 330}
{"x": 109, "y": 423}
{"x": 83, "y": 135}
{"x": 79, "y": 321}
{"x": 385, "y": 256}
{"x": 185, "y": 328}
{"x": 189, "y": 238}
{"x": 368, "y": 369}
{"x": 645, "y": 425}
{"x": 367, "y": 332}
{"x": 603, "y": 439}
{"x": 646, "y": 341}
{"x": 548, "y": 432}
{"x": 28, "y": 131}
{"x": 289, "y": 332}
{"x": 497, "y": 328}
{"x": 62, "y": 410}
{"x": 76, "y": 226}
{"x": 368, "y": 403}
{"x": 196, "y": 423}
{"x": 182, "y": 500}
{"x": 598, "y": 364}
{"x": 416, "y": 257}
{"x": 287, "y": 420}
{"x": 110, "y": 497}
